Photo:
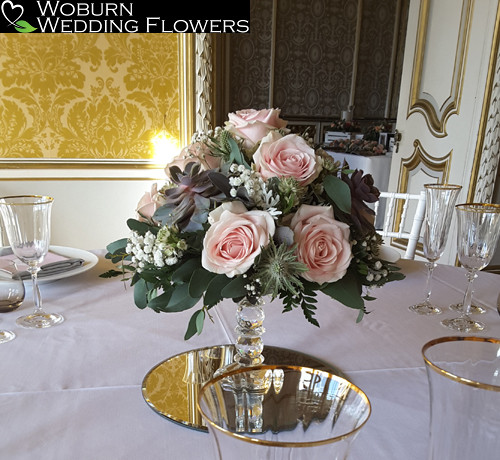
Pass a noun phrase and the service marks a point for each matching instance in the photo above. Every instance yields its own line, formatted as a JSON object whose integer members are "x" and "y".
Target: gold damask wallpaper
{"x": 87, "y": 96}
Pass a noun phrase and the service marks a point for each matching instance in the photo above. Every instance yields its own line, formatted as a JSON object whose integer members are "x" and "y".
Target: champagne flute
{"x": 440, "y": 200}
{"x": 477, "y": 238}
{"x": 27, "y": 225}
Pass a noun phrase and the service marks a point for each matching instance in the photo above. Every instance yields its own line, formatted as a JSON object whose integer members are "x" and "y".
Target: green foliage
{"x": 235, "y": 288}
{"x": 235, "y": 155}
{"x": 195, "y": 325}
{"x": 347, "y": 290}
{"x": 305, "y": 299}
{"x": 111, "y": 274}
{"x": 213, "y": 294}
{"x": 338, "y": 192}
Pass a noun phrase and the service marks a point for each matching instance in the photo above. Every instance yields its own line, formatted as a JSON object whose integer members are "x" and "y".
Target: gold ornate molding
{"x": 487, "y": 152}
{"x": 421, "y": 157}
{"x": 436, "y": 114}
{"x": 186, "y": 87}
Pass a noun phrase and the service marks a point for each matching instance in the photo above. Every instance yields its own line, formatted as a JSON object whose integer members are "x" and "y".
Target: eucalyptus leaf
{"x": 339, "y": 192}
{"x": 160, "y": 303}
{"x": 141, "y": 294}
{"x": 117, "y": 246}
{"x": 235, "y": 288}
{"x": 346, "y": 290}
{"x": 183, "y": 273}
{"x": 180, "y": 299}
{"x": 195, "y": 325}
{"x": 137, "y": 226}
{"x": 200, "y": 279}
{"x": 213, "y": 294}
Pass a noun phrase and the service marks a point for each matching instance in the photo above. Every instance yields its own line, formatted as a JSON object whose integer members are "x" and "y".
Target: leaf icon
{"x": 24, "y": 27}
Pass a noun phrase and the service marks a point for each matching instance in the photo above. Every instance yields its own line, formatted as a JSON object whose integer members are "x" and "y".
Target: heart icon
{"x": 9, "y": 10}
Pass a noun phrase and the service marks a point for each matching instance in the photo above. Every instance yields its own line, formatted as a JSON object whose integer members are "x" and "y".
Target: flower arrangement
{"x": 373, "y": 132}
{"x": 346, "y": 126}
{"x": 250, "y": 210}
{"x": 358, "y": 147}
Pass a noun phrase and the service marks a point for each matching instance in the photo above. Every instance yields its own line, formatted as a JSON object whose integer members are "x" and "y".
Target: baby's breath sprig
{"x": 165, "y": 248}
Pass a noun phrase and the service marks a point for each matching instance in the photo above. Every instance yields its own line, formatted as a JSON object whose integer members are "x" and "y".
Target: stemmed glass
{"x": 27, "y": 224}
{"x": 440, "y": 200}
{"x": 477, "y": 238}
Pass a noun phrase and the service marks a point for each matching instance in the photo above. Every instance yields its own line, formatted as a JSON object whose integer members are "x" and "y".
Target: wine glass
{"x": 440, "y": 200}
{"x": 27, "y": 224}
{"x": 477, "y": 238}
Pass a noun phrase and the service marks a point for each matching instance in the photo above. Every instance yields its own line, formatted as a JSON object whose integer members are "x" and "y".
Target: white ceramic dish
{"x": 89, "y": 261}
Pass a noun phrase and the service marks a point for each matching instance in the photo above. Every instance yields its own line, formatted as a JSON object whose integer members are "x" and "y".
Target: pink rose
{"x": 148, "y": 204}
{"x": 196, "y": 152}
{"x": 288, "y": 156}
{"x": 322, "y": 243}
{"x": 235, "y": 239}
{"x": 252, "y": 125}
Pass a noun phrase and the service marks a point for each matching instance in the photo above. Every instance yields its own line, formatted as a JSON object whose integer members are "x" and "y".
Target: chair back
{"x": 394, "y": 202}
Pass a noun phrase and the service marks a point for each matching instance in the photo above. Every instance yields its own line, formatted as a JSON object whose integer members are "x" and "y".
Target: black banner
{"x": 58, "y": 16}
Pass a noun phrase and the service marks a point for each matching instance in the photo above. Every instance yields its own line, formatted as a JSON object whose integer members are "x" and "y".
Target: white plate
{"x": 89, "y": 261}
{"x": 389, "y": 254}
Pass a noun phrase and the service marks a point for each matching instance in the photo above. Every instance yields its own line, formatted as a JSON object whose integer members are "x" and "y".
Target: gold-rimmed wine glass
{"x": 27, "y": 225}
{"x": 477, "y": 238}
{"x": 439, "y": 205}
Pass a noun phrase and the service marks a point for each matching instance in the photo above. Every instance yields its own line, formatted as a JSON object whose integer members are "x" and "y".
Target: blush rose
{"x": 322, "y": 243}
{"x": 287, "y": 156}
{"x": 252, "y": 125}
{"x": 148, "y": 204}
{"x": 195, "y": 152}
{"x": 235, "y": 238}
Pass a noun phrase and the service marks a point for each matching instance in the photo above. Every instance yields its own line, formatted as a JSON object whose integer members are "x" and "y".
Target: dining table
{"x": 74, "y": 391}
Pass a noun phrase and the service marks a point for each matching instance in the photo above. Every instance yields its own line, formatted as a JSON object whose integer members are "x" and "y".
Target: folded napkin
{"x": 55, "y": 264}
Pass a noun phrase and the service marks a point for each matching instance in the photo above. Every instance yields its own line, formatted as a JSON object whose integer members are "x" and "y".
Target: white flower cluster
{"x": 160, "y": 250}
{"x": 377, "y": 274}
{"x": 255, "y": 187}
{"x": 204, "y": 136}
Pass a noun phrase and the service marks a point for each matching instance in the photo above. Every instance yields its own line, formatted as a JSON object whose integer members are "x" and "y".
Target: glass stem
{"x": 467, "y": 302}
{"x": 428, "y": 286}
{"x": 37, "y": 298}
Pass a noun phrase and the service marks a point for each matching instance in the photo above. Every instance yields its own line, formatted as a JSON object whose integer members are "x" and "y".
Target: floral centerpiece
{"x": 346, "y": 126}
{"x": 250, "y": 210}
{"x": 373, "y": 132}
{"x": 357, "y": 147}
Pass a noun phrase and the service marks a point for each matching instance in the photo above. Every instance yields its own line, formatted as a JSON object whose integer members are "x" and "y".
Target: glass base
{"x": 425, "y": 309}
{"x": 463, "y": 324}
{"x": 6, "y": 336}
{"x": 474, "y": 309}
{"x": 40, "y": 320}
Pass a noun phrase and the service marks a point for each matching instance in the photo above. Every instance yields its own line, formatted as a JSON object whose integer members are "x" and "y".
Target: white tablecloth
{"x": 74, "y": 391}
